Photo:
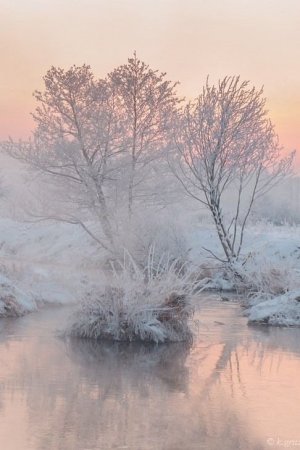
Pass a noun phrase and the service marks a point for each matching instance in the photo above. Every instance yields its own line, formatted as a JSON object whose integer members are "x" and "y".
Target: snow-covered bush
{"x": 283, "y": 310}
{"x": 13, "y": 301}
{"x": 269, "y": 275}
{"x": 152, "y": 305}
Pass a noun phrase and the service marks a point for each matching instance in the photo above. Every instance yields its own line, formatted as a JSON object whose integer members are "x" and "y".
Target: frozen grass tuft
{"x": 271, "y": 275}
{"x": 151, "y": 305}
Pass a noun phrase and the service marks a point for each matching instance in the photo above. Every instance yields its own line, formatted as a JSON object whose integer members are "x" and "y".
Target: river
{"x": 236, "y": 387}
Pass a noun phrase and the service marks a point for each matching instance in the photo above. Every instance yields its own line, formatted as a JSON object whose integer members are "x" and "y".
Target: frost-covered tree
{"x": 224, "y": 143}
{"x": 77, "y": 145}
{"x": 148, "y": 101}
{"x": 96, "y": 140}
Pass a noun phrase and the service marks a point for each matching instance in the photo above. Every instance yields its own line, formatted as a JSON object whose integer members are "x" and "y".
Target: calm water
{"x": 237, "y": 387}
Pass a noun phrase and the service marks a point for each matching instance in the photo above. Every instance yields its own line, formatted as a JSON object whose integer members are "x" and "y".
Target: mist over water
{"x": 234, "y": 385}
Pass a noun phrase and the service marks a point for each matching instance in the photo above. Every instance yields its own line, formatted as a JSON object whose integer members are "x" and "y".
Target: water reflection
{"x": 230, "y": 390}
{"x": 137, "y": 363}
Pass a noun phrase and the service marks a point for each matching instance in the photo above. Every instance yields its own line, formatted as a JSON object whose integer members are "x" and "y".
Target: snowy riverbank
{"x": 58, "y": 263}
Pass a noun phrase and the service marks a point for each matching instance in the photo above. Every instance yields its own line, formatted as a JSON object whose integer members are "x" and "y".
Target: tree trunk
{"x": 104, "y": 217}
{"x": 130, "y": 189}
{"x": 223, "y": 236}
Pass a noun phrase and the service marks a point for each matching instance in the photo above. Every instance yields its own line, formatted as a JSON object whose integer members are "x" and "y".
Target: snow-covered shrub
{"x": 282, "y": 310}
{"x": 152, "y": 304}
{"x": 270, "y": 275}
{"x": 13, "y": 301}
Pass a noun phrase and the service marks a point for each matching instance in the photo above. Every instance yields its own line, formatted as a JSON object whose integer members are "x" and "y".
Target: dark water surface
{"x": 236, "y": 387}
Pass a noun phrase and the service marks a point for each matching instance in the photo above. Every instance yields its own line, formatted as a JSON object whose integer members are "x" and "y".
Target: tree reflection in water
{"x": 79, "y": 394}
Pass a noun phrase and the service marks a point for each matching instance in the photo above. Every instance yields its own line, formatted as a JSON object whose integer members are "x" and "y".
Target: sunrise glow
{"x": 259, "y": 40}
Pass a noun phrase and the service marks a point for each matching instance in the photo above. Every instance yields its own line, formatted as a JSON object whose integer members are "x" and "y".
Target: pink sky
{"x": 257, "y": 39}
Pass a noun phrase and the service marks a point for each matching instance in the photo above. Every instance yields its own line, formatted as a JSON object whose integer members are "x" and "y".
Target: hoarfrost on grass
{"x": 152, "y": 305}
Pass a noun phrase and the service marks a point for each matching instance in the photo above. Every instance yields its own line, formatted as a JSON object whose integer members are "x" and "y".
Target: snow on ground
{"x": 60, "y": 263}
{"x": 47, "y": 243}
{"x": 48, "y": 263}
{"x": 271, "y": 271}
{"x": 262, "y": 239}
{"x": 283, "y": 310}
{"x": 275, "y": 274}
